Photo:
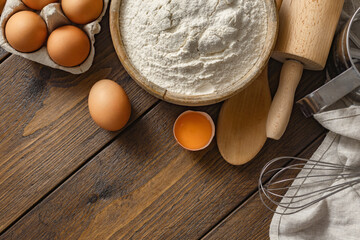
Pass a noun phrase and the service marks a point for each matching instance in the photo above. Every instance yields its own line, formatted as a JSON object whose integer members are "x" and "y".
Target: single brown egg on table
{"x": 68, "y": 46}
{"x": 37, "y": 4}
{"x": 26, "y": 31}
{"x": 82, "y": 11}
{"x": 109, "y": 106}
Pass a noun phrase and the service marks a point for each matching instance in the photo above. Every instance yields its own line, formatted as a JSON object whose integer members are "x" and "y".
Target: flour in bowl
{"x": 193, "y": 47}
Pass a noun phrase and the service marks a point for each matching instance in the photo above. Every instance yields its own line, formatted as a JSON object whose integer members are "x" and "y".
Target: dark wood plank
{"x": 46, "y": 132}
{"x": 144, "y": 185}
{"x": 3, "y": 54}
{"x": 252, "y": 219}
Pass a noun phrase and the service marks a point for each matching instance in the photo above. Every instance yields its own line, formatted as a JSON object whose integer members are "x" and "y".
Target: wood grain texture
{"x": 241, "y": 127}
{"x": 197, "y": 100}
{"x": 252, "y": 219}
{"x": 3, "y": 54}
{"x": 46, "y": 132}
{"x": 306, "y": 31}
{"x": 143, "y": 185}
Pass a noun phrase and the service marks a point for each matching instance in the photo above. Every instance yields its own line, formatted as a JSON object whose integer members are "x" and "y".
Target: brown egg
{"x": 82, "y": 11}
{"x": 37, "y": 4}
{"x": 68, "y": 46}
{"x": 26, "y": 31}
{"x": 109, "y": 105}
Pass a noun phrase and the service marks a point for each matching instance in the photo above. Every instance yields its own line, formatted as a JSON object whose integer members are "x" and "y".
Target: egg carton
{"x": 54, "y": 18}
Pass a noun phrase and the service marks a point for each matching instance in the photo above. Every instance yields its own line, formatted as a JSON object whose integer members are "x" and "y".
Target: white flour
{"x": 193, "y": 47}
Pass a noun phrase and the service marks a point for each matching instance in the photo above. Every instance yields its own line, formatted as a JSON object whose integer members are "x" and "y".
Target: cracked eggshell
{"x": 54, "y": 18}
{"x": 194, "y": 130}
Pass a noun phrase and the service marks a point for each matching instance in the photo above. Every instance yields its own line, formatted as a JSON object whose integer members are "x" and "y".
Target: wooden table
{"x": 62, "y": 177}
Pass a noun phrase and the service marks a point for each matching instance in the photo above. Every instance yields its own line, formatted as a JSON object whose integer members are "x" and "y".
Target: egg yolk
{"x": 193, "y": 130}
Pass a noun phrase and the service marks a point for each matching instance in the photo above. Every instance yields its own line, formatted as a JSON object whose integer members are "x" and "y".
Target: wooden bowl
{"x": 197, "y": 100}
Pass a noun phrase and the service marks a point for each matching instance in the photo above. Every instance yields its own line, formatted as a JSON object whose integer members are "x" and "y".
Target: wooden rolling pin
{"x": 307, "y": 28}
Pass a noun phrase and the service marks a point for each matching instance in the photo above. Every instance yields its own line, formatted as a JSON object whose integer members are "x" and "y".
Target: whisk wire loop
{"x": 318, "y": 181}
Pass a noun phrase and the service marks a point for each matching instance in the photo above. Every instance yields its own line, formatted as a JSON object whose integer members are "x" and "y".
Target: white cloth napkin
{"x": 336, "y": 217}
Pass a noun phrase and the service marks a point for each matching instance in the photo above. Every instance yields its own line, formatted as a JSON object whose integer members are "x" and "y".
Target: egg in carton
{"x": 54, "y": 18}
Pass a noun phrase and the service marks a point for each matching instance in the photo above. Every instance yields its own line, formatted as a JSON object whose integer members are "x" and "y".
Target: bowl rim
{"x": 195, "y": 100}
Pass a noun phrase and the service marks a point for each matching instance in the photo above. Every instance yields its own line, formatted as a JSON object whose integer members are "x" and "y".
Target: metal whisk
{"x": 317, "y": 181}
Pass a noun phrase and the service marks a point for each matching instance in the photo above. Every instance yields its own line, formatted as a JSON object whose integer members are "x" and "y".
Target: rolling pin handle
{"x": 281, "y": 107}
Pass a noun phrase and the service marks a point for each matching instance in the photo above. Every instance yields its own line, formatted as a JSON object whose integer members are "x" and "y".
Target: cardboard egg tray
{"x": 54, "y": 18}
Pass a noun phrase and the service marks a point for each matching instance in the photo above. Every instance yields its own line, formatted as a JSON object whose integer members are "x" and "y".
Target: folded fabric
{"x": 338, "y": 216}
